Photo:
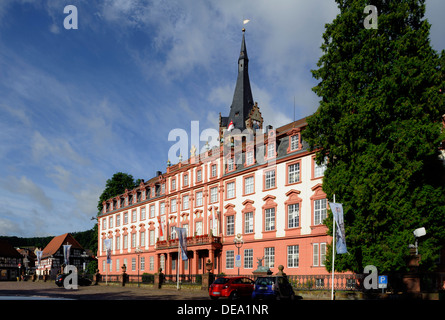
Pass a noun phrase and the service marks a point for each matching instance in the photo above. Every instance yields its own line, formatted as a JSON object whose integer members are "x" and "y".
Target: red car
{"x": 231, "y": 287}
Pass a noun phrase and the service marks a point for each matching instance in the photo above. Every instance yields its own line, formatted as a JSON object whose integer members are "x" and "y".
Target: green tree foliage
{"x": 115, "y": 186}
{"x": 379, "y": 125}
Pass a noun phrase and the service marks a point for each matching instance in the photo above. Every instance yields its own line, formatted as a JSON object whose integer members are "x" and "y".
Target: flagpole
{"x": 333, "y": 253}
{"x": 179, "y": 253}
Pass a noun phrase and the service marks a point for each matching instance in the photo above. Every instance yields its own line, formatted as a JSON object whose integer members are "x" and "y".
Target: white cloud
{"x": 25, "y": 186}
{"x": 52, "y": 149}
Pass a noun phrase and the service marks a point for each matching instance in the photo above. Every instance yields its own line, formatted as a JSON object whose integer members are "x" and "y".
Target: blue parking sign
{"x": 383, "y": 282}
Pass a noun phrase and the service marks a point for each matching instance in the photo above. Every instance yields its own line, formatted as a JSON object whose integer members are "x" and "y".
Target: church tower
{"x": 244, "y": 113}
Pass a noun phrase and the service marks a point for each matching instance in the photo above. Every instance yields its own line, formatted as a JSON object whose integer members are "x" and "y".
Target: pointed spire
{"x": 242, "y": 98}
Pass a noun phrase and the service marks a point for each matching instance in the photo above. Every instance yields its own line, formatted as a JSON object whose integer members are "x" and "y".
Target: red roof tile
{"x": 57, "y": 242}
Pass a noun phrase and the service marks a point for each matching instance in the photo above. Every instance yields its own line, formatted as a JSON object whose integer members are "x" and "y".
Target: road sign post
{"x": 383, "y": 282}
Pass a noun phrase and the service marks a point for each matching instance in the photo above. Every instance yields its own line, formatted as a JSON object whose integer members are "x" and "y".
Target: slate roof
{"x": 242, "y": 101}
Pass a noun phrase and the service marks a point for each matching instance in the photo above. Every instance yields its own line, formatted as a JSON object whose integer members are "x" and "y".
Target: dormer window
{"x": 294, "y": 142}
{"x": 270, "y": 150}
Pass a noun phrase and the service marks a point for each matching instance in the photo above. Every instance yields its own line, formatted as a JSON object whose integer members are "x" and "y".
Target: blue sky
{"x": 79, "y": 105}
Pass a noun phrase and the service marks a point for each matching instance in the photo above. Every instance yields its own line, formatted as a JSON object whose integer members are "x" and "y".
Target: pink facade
{"x": 277, "y": 209}
{"x": 266, "y": 191}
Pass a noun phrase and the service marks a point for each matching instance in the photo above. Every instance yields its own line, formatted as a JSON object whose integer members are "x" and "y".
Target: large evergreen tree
{"x": 378, "y": 123}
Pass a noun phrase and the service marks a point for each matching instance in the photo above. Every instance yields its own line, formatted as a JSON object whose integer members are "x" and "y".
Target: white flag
{"x": 182, "y": 236}
{"x": 39, "y": 256}
{"x": 337, "y": 210}
{"x": 66, "y": 253}
{"x": 246, "y": 21}
{"x": 107, "y": 244}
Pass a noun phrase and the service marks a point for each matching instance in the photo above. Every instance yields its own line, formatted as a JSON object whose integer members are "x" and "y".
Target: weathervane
{"x": 245, "y": 21}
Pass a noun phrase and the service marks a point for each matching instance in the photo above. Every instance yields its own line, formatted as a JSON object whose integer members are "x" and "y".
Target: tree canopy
{"x": 379, "y": 125}
{"x": 115, "y": 186}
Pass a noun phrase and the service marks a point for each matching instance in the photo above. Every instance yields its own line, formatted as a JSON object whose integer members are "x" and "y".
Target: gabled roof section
{"x": 7, "y": 250}
{"x": 57, "y": 242}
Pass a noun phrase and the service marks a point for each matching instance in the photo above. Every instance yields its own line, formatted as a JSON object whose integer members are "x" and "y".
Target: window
{"x": 125, "y": 245}
{"x": 292, "y": 256}
{"x": 133, "y": 216}
{"x": 133, "y": 264}
{"x": 230, "y": 225}
{"x": 213, "y": 195}
{"x": 104, "y": 223}
{"x": 163, "y": 188}
{"x": 248, "y": 185}
{"x": 293, "y": 215}
{"x": 133, "y": 240}
{"x": 269, "y": 257}
{"x": 152, "y": 238}
{"x": 110, "y": 224}
{"x": 185, "y": 202}
{"x": 271, "y": 150}
{"x": 173, "y": 205}
{"x": 294, "y": 142}
{"x": 125, "y": 217}
{"x": 142, "y": 239}
{"x": 269, "y": 180}
{"x": 293, "y": 173}
{"x": 319, "y": 169}
{"x": 319, "y": 211}
{"x": 249, "y": 158}
{"x": 143, "y": 213}
{"x": 231, "y": 190}
{"x": 230, "y": 257}
{"x": 118, "y": 220}
{"x": 319, "y": 254}
{"x": 199, "y": 176}
{"x": 248, "y": 258}
{"x": 142, "y": 263}
{"x": 322, "y": 254}
{"x": 173, "y": 184}
{"x": 151, "y": 262}
{"x": 162, "y": 208}
{"x": 248, "y": 222}
{"x": 213, "y": 171}
{"x": 230, "y": 164}
{"x": 118, "y": 242}
{"x": 186, "y": 180}
{"x": 198, "y": 228}
{"x": 199, "y": 198}
{"x": 269, "y": 219}
{"x": 152, "y": 211}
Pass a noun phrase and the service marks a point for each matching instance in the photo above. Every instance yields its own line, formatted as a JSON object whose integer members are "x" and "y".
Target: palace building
{"x": 265, "y": 189}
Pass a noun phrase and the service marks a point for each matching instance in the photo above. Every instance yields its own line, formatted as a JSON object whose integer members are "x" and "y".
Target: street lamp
{"x": 138, "y": 250}
{"x": 420, "y": 232}
{"x": 238, "y": 241}
{"x": 84, "y": 255}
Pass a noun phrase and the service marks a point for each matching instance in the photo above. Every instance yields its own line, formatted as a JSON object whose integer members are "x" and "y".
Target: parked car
{"x": 273, "y": 287}
{"x": 81, "y": 281}
{"x": 231, "y": 287}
